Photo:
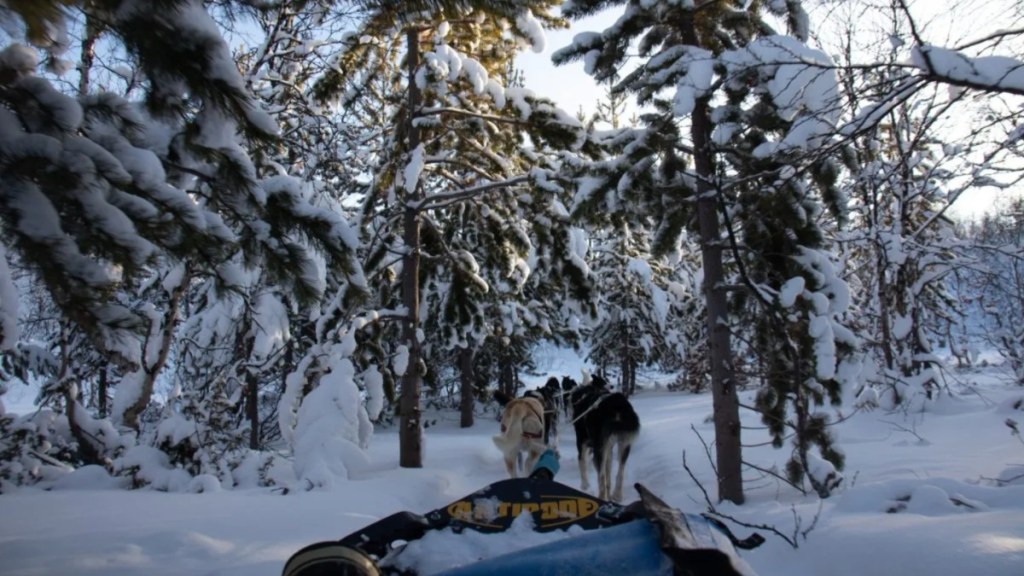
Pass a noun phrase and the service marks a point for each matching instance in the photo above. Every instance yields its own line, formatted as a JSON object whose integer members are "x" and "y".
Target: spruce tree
{"x": 740, "y": 171}
{"x": 638, "y": 309}
{"x": 107, "y": 198}
{"x": 455, "y": 195}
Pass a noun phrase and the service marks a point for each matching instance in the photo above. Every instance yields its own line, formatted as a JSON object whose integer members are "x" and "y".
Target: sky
{"x": 573, "y": 89}
{"x": 568, "y": 84}
{"x": 914, "y": 500}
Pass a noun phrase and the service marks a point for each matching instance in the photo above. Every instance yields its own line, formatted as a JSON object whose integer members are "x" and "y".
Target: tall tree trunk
{"x": 467, "y": 389}
{"x": 728, "y": 450}
{"x": 89, "y": 452}
{"x": 101, "y": 401}
{"x": 410, "y": 435}
{"x": 92, "y": 34}
{"x": 505, "y": 382}
{"x": 252, "y": 409}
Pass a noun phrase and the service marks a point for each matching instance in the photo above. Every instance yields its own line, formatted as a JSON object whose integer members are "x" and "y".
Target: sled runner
{"x": 644, "y": 538}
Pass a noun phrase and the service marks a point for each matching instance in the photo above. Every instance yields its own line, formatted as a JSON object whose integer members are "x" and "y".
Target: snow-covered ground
{"x": 915, "y": 499}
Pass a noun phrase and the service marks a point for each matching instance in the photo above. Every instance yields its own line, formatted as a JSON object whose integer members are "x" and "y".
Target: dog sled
{"x": 644, "y": 538}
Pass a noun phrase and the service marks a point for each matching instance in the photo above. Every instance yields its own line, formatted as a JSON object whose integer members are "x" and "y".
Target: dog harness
{"x": 531, "y": 435}
{"x": 592, "y": 406}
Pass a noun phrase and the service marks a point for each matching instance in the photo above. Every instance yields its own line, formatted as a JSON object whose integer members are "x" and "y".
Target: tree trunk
{"x": 507, "y": 381}
{"x": 150, "y": 371}
{"x": 101, "y": 401}
{"x": 624, "y": 369}
{"x": 728, "y": 450}
{"x": 89, "y": 452}
{"x": 884, "y": 311}
{"x": 410, "y": 436}
{"x": 252, "y": 409}
{"x": 631, "y": 381}
{"x": 92, "y": 34}
{"x": 468, "y": 393}
{"x": 627, "y": 378}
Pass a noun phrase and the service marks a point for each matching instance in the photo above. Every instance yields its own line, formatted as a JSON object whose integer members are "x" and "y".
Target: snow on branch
{"x": 801, "y": 82}
{"x": 986, "y": 73}
{"x": 439, "y": 200}
{"x": 532, "y": 29}
{"x": 185, "y": 54}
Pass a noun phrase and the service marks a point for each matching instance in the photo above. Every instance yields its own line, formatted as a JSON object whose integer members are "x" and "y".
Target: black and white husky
{"x": 603, "y": 421}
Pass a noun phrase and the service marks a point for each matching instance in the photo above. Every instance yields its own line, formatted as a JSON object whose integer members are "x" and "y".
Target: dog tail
{"x": 516, "y": 430}
{"x": 504, "y": 443}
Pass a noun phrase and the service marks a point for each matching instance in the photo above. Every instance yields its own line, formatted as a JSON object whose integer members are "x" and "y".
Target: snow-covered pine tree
{"x": 638, "y": 312}
{"x": 755, "y": 103}
{"x": 247, "y": 339}
{"x": 453, "y": 168}
{"x": 499, "y": 282}
{"x": 103, "y": 194}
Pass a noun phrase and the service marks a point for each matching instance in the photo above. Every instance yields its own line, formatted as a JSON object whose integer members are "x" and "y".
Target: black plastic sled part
{"x": 695, "y": 546}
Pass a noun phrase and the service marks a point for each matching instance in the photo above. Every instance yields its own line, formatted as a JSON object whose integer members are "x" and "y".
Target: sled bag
{"x": 630, "y": 548}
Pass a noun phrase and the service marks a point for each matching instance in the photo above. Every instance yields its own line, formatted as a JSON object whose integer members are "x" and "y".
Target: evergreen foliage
{"x": 640, "y": 303}
{"x": 757, "y": 102}
{"x": 465, "y": 185}
{"x": 222, "y": 264}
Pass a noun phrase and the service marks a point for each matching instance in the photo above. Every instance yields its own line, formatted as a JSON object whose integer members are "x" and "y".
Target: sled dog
{"x": 522, "y": 431}
{"x": 550, "y": 396}
{"x": 603, "y": 420}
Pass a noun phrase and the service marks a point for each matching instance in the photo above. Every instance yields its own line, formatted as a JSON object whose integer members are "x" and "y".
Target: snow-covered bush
{"x": 34, "y": 448}
{"x": 333, "y": 429}
{"x": 197, "y": 444}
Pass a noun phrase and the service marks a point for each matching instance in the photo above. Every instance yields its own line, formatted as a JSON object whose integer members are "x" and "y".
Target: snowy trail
{"x": 93, "y": 529}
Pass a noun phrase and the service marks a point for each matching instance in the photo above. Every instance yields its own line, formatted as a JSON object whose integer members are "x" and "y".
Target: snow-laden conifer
{"x": 733, "y": 116}
{"x": 465, "y": 188}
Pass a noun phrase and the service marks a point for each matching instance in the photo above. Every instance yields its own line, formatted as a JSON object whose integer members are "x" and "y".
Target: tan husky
{"x": 522, "y": 430}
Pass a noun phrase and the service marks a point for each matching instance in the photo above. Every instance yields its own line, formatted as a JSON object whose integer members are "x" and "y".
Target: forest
{"x": 239, "y": 235}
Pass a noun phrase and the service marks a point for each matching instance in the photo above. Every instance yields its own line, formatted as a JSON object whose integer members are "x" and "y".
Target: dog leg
{"x": 598, "y": 453}
{"x": 531, "y": 459}
{"x": 582, "y": 461}
{"x": 510, "y": 464}
{"x": 604, "y": 473}
{"x": 624, "y": 448}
